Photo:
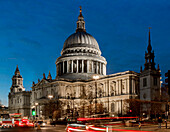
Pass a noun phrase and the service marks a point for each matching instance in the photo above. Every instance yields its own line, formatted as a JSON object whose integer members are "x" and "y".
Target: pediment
{"x": 42, "y": 82}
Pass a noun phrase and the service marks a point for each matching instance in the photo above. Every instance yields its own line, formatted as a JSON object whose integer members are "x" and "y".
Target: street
{"x": 57, "y": 128}
{"x": 61, "y": 128}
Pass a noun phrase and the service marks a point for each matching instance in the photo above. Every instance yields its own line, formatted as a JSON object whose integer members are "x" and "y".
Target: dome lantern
{"x": 80, "y": 22}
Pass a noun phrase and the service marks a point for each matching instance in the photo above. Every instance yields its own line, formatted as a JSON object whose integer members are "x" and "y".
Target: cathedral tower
{"x": 17, "y": 82}
{"x": 150, "y": 76}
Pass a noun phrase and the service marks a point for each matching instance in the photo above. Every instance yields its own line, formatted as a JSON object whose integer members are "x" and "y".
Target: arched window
{"x": 19, "y": 82}
{"x": 47, "y": 93}
{"x": 52, "y": 92}
{"x": 35, "y": 95}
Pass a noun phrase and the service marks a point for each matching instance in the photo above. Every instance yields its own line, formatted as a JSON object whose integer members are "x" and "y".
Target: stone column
{"x": 68, "y": 66}
{"x": 87, "y": 66}
{"x": 77, "y": 67}
{"x": 97, "y": 67}
{"x": 100, "y": 68}
{"x": 92, "y": 67}
{"x": 104, "y": 69}
{"x": 117, "y": 86}
{"x": 121, "y": 87}
{"x": 71, "y": 66}
{"x": 82, "y": 66}
{"x": 63, "y": 67}
{"x": 132, "y": 86}
{"x": 108, "y": 87}
{"x": 126, "y": 87}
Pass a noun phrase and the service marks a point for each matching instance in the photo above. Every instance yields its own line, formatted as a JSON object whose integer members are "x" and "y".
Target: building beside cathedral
{"x": 81, "y": 83}
{"x": 18, "y": 98}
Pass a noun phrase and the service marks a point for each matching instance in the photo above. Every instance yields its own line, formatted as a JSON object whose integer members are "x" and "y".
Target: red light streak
{"x": 98, "y": 128}
{"x": 107, "y": 118}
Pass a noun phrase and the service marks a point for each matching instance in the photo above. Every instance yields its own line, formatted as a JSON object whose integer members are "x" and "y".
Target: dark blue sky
{"x": 32, "y": 34}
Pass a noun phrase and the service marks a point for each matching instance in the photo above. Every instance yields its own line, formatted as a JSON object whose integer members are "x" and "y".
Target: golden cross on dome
{"x": 80, "y": 9}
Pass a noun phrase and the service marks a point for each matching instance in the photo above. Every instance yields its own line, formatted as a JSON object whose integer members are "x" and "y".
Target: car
{"x": 76, "y": 127}
{"x": 42, "y": 123}
{"x": 25, "y": 123}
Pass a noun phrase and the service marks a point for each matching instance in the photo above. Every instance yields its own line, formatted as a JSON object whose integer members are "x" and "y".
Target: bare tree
{"x": 52, "y": 109}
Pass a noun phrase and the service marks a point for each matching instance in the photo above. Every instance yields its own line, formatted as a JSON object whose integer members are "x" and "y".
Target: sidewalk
{"x": 153, "y": 128}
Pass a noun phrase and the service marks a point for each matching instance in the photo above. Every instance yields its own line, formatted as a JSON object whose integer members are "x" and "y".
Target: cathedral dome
{"x": 81, "y": 40}
{"x": 80, "y": 57}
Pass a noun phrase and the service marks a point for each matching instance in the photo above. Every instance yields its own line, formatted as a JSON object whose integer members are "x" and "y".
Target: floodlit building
{"x": 75, "y": 84}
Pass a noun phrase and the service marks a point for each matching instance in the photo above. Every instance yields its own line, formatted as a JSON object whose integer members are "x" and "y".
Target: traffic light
{"x": 33, "y": 112}
{"x": 167, "y": 80}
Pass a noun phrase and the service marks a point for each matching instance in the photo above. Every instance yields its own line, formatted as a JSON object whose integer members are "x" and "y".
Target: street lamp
{"x": 95, "y": 78}
{"x": 36, "y": 104}
{"x": 51, "y": 112}
{"x": 50, "y": 96}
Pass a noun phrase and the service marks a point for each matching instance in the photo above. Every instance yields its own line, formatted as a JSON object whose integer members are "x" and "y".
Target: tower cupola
{"x": 80, "y": 22}
{"x": 17, "y": 82}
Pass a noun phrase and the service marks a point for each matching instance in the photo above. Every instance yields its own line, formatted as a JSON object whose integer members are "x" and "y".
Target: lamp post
{"x": 36, "y": 104}
{"x": 50, "y": 97}
{"x": 33, "y": 112}
{"x": 95, "y": 78}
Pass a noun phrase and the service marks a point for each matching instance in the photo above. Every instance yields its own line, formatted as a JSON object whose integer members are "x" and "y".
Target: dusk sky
{"x": 32, "y": 34}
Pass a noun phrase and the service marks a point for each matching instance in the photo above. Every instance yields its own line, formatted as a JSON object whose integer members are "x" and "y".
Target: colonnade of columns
{"x": 80, "y": 66}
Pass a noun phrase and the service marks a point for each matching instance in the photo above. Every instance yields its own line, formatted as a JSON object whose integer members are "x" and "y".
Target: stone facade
{"x": 111, "y": 91}
{"x": 18, "y": 98}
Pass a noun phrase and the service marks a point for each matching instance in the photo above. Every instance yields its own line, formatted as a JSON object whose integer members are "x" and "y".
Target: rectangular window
{"x": 155, "y": 81}
{"x": 65, "y": 66}
{"x": 61, "y": 68}
{"x": 14, "y": 81}
{"x": 79, "y": 66}
{"x": 144, "y": 82}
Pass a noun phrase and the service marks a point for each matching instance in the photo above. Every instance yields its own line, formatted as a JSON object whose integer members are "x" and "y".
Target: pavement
{"x": 57, "y": 128}
{"x": 146, "y": 127}
{"x": 61, "y": 128}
